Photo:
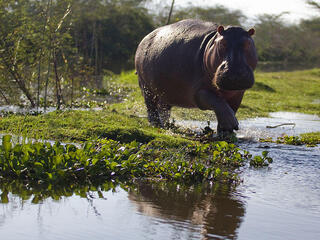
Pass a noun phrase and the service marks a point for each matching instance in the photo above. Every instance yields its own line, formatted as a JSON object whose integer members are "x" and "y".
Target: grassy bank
{"x": 297, "y": 91}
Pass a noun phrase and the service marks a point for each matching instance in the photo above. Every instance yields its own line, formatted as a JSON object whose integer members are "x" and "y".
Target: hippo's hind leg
{"x": 164, "y": 114}
{"x": 158, "y": 112}
{"x": 151, "y": 102}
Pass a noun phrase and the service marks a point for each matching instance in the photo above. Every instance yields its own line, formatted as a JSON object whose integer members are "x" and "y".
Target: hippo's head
{"x": 230, "y": 58}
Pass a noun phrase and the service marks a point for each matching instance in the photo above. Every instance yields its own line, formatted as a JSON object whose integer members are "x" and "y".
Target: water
{"x": 292, "y": 124}
{"x": 281, "y": 201}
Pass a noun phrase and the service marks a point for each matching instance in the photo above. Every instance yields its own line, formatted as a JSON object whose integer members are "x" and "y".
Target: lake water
{"x": 281, "y": 201}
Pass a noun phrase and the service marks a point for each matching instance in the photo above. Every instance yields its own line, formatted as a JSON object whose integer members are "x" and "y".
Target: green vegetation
{"x": 309, "y": 139}
{"x": 102, "y": 160}
{"x": 119, "y": 144}
{"x": 282, "y": 91}
{"x": 261, "y": 161}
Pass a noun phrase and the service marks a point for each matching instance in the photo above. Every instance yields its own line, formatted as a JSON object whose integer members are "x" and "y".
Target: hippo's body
{"x": 195, "y": 64}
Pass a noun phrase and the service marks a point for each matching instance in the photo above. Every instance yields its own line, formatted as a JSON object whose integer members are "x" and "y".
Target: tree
{"x": 315, "y": 4}
{"x": 218, "y": 14}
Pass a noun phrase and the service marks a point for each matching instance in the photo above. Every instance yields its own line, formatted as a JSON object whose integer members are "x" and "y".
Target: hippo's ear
{"x": 220, "y": 30}
{"x": 251, "y": 31}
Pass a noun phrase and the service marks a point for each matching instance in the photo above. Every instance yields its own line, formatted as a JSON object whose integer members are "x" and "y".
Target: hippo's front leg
{"x": 208, "y": 100}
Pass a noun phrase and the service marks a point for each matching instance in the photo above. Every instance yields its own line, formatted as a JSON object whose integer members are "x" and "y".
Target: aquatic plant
{"x": 261, "y": 161}
{"x": 310, "y": 139}
{"x": 106, "y": 159}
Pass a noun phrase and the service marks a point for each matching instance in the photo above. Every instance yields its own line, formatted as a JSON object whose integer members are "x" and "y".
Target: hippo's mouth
{"x": 237, "y": 79}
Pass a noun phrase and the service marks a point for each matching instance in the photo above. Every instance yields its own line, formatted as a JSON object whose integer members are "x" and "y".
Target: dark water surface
{"x": 281, "y": 201}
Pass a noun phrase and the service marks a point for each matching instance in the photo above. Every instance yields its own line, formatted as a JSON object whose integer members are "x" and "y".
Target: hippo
{"x": 196, "y": 64}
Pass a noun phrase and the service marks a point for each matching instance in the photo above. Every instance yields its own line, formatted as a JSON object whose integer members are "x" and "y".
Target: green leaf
{"x": 265, "y": 154}
{"x": 6, "y": 142}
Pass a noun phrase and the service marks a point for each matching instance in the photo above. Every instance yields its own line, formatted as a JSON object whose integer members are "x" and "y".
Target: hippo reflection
{"x": 196, "y": 64}
{"x": 215, "y": 211}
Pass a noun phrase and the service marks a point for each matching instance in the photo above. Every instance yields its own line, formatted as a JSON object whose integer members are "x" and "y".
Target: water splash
{"x": 255, "y": 128}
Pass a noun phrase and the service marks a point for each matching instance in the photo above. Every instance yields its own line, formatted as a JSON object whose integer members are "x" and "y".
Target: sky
{"x": 298, "y": 8}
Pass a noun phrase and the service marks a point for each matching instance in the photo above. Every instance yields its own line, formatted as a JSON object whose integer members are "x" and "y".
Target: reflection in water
{"x": 144, "y": 210}
{"x": 217, "y": 212}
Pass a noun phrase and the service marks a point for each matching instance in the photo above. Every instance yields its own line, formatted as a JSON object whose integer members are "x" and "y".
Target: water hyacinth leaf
{"x": 36, "y": 199}
{"x": 265, "y": 153}
{"x": 38, "y": 166}
{"x": 4, "y": 197}
{"x": 57, "y": 160}
{"x": 100, "y": 160}
{"x": 6, "y": 143}
{"x": 177, "y": 175}
{"x": 217, "y": 172}
{"x": 94, "y": 161}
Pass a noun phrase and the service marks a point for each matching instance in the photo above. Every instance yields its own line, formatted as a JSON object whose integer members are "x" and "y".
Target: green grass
{"x": 80, "y": 126}
{"x": 126, "y": 121}
{"x": 282, "y": 91}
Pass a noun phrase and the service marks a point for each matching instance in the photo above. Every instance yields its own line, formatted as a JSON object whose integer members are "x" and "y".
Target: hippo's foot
{"x": 227, "y": 134}
{"x": 153, "y": 118}
{"x": 158, "y": 113}
{"x": 159, "y": 119}
{"x": 227, "y": 121}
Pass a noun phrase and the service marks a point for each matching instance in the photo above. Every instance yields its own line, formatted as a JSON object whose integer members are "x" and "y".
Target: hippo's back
{"x": 167, "y": 60}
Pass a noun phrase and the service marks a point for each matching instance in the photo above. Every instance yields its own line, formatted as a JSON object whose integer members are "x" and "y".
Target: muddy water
{"x": 278, "y": 202}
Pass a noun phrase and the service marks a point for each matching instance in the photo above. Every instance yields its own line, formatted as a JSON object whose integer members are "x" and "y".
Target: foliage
{"x": 261, "y": 161}
{"x": 96, "y": 162}
{"x": 49, "y": 49}
{"x": 218, "y": 14}
{"x": 315, "y": 4}
{"x": 284, "y": 46}
{"x": 310, "y": 139}
{"x": 108, "y": 32}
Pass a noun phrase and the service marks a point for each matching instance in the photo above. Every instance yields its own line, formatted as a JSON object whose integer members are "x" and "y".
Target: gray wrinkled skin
{"x": 195, "y": 64}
